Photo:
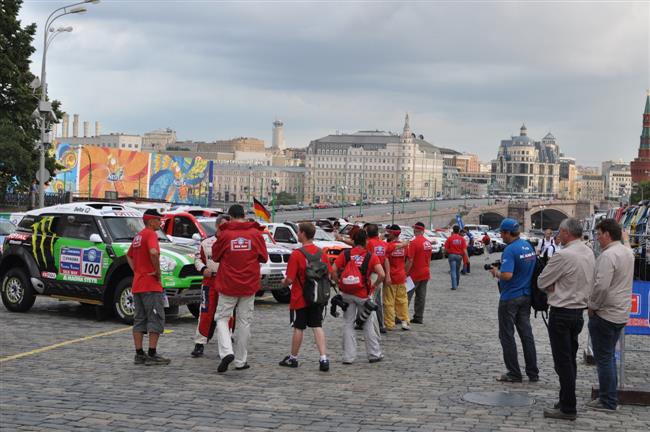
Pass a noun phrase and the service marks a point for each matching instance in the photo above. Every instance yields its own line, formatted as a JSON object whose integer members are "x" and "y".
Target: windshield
{"x": 321, "y": 235}
{"x": 123, "y": 229}
{"x": 208, "y": 227}
{"x": 6, "y": 227}
{"x": 267, "y": 238}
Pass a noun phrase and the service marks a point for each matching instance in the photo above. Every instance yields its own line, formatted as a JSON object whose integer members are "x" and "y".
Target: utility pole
{"x": 403, "y": 193}
{"x": 430, "y": 205}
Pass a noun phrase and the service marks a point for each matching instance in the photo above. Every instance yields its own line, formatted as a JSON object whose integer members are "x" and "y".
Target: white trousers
{"x": 370, "y": 333}
{"x": 245, "y": 306}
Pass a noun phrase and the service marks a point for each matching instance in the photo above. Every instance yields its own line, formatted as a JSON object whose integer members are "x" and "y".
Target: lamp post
{"x": 274, "y": 186}
{"x": 541, "y": 222}
{"x": 403, "y": 193}
{"x": 343, "y": 188}
{"x": 43, "y": 107}
{"x": 428, "y": 184}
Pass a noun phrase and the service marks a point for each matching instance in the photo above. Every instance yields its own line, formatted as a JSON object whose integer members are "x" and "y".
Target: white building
{"x": 372, "y": 165}
{"x": 617, "y": 179}
{"x": 158, "y": 140}
{"x": 115, "y": 140}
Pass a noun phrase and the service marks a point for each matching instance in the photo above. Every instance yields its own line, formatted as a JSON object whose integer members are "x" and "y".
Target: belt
{"x": 568, "y": 310}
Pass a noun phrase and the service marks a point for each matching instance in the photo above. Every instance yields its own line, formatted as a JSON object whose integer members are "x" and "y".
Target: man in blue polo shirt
{"x": 515, "y": 276}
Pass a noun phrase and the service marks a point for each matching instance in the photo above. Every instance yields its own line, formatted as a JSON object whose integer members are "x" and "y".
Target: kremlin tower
{"x": 640, "y": 166}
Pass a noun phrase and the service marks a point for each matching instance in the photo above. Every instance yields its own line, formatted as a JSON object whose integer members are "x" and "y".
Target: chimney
{"x": 86, "y": 129}
{"x": 66, "y": 122}
{"x": 75, "y": 125}
{"x": 97, "y": 128}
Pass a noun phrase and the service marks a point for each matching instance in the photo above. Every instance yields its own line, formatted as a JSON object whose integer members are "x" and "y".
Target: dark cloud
{"x": 469, "y": 72}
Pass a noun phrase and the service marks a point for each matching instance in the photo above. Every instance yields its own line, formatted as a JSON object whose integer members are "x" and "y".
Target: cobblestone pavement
{"x": 93, "y": 385}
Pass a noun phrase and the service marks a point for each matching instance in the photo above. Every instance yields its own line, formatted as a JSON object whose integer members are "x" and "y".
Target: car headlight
{"x": 167, "y": 264}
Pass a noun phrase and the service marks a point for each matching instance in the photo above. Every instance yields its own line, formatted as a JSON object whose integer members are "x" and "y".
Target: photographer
{"x": 567, "y": 279}
{"x": 354, "y": 268}
{"x": 515, "y": 275}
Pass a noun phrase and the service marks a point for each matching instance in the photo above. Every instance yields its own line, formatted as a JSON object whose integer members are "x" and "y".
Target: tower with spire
{"x": 407, "y": 135}
{"x": 640, "y": 166}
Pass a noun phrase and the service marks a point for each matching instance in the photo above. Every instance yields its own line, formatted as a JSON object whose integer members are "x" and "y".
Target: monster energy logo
{"x": 43, "y": 228}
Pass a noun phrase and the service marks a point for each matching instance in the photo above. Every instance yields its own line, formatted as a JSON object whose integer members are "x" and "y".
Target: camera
{"x": 336, "y": 302}
{"x": 368, "y": 307}
{"x": 495, "y": 264}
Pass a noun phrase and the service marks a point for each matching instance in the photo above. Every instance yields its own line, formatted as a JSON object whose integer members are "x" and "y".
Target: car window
{"x": 75, "y": 226}
{"x": 183, "y": 227}
{"x": 323, "y": 236}
{"x": 28, "y": 221}
{"x": 283, "y": 235}
{"x": 6, "y": 227}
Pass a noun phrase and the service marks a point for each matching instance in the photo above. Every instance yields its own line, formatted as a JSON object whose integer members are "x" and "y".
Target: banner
{"x": 65, "y": 179}
{"x": 109, "y": 172}
{"x": 639, "y": 323}
{"x": 179, "y": 180}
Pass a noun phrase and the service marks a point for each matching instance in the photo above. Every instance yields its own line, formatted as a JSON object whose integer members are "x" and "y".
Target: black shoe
{"x": 398, "y": 321}
{"x": 223, "y": 366}
{"x": 533, "y": 379}
{"x": 324, "y": 365}
{"x": 156, "y": 360}
{"x": 244, "y": 367}
{"x": 383, "y": 330}
{"x": 140, "y": 359}
{"x": 198, "y": 350}
{"x": 557, "y": 414}
{"x": 416, "y": 321}
{"x": 376, "y": 359}
{"x": 289, "y": 362}
{"x": 508, "y": 378}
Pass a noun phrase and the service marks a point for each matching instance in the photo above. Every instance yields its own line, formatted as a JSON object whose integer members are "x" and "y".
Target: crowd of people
{"x": 377, "y": 279}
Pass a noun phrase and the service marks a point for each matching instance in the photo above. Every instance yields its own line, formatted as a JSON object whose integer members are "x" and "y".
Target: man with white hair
{"x": 567, "y": 279}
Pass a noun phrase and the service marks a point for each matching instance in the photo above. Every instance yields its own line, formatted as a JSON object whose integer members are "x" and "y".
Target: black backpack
{"x": 317, "y": 286}
{"x": 538, "y": 298}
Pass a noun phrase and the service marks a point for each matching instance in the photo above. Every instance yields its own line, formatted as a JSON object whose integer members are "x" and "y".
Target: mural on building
{"x": 65, "y": 179}
{"x": 112, "y": 171}
{"x": 179, "y": 180}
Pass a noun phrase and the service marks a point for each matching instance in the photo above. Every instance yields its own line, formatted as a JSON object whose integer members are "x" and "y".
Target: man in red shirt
{"x": 356, "y": 298}
{"x": 395, "y": 298}
{"x": 239, "y": 250}
{"x": 456, "y": 248}
{"x": 148, "y": 298}
{"x": 417, "y": 267}
{"x": 377, "y": 246}
{"x": 305, "y": 315}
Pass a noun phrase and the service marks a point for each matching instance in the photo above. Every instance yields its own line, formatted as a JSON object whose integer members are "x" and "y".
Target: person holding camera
{"x": 609, "y": 307}
{"x": 515, "y": 275}
{"x": 354, "y": 268}
{"x": 306, "y": 315}
{"x": 396, "y": 302}
{"x": 567, "y": 280}
{"x": 456, "y": 248}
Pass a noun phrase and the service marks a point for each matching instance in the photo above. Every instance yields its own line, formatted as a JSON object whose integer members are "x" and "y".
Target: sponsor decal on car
{"x": 81, "y": 262}
{"x": 48, "y": 275}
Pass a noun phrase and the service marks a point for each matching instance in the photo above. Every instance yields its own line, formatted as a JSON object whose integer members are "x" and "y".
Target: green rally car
{"x": 78, "y": 252}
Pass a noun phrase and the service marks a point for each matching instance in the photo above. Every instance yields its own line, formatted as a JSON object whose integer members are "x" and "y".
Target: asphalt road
{"x": 380, "y": 209}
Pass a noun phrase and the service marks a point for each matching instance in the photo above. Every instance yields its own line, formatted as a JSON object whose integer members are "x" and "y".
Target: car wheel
{"x": 282, "y": 295}
{"x": 18, "y": 295}
{"x": 123, "y": 302}
{"x": 195, "y": 309}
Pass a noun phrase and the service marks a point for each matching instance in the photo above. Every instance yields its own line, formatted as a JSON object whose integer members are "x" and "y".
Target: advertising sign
{"x": 639, "y": 323}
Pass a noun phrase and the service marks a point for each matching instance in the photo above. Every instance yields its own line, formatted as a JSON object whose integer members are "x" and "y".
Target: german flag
{"x": 261, "y": 211}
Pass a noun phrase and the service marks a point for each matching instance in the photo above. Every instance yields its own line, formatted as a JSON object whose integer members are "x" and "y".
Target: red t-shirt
{"x": 358, "y": 254}
{"x": 396, "y": 259}
{"x": 296, "y": 272}
{"x": 456, "y": 244}
{"x": 143, "y": 281}
{"x": 420, "y": 254}
{"x": 377, "y": 246}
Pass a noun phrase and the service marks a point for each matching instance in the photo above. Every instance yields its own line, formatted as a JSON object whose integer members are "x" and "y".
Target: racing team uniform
{"x": 377, "y": 247}
{"x": 239, "y": 250}
{"x": 395, "y": 297}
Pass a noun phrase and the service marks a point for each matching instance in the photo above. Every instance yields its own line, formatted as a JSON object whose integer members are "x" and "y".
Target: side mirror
{"x": 95, "y": 238}
{"x": 196, "y": 237}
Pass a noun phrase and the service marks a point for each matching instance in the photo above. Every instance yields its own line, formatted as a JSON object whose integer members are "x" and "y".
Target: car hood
{"x": 276, "y": 249}
{"x": 330, "y": 244}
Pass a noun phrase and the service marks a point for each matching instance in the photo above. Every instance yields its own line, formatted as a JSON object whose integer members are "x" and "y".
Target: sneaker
{"x": 289, "y": 362}
{"x": 324, "y": 365}
{"x": 597, "y": 405}
{"x": 157, "y": 360}
{"x": 198, "y": 350}
{"x": 376, "y": 359}
{"x": 140, "y": 359}
{"x": 243, "y": 367}
{"x": 556, "y": 413}
{"x": 405, "y": 326}
{"x": 223, "y": 366}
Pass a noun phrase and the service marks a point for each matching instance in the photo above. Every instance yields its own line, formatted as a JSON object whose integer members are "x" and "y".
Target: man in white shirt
{"x": 547, "y": 246}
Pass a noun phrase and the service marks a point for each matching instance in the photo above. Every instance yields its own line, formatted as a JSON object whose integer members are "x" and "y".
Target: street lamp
{"x": 343, "y": 188}
{"x": 90, "y": 168}
{"x": 541, "y": 222}
{"x": 274, "y": 186}
{"x": 43, "y": 107}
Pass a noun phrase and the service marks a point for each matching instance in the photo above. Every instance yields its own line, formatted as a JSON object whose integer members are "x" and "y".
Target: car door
{"x": 183, "y": 228}
{"x": 80, "y": 263}
{"x": 285, "y": 236}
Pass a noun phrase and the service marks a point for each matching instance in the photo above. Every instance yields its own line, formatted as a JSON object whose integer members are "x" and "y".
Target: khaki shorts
{"x": 149, "y": 312}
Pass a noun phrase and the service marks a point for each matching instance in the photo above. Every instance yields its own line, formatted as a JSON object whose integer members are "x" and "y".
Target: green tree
{"x": 640, "y": 190}
{"x": 19, "y": 132}
{"x": 285, "y": 198}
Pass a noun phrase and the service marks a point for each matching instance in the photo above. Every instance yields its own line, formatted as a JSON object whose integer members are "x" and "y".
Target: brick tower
{"x": 640, "y": 166}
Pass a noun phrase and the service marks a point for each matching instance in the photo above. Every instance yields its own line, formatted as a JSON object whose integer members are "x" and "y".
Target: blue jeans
{"x": 455, "y": 264}
{"x": 604, "y": 335}
{"x": 515, "y": 314}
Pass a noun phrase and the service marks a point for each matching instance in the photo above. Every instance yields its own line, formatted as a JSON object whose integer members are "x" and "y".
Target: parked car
{"x": 78, "y": 252}
{"x": 286, "y": 235}
{"x": 6, "y": 228}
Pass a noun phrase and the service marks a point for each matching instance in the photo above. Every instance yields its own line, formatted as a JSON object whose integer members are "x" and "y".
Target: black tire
{"x": 195, "y": 309}
{"x": 123, "y": 303}
{"x": 17, "y": 292}
{"x": 282, "y": 295}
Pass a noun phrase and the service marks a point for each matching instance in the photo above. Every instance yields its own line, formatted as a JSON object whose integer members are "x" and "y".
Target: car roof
{"x": 99, "y": 209}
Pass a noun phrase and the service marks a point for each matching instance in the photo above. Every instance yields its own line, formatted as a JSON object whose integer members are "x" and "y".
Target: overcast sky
{"x": 468, "y": 73}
